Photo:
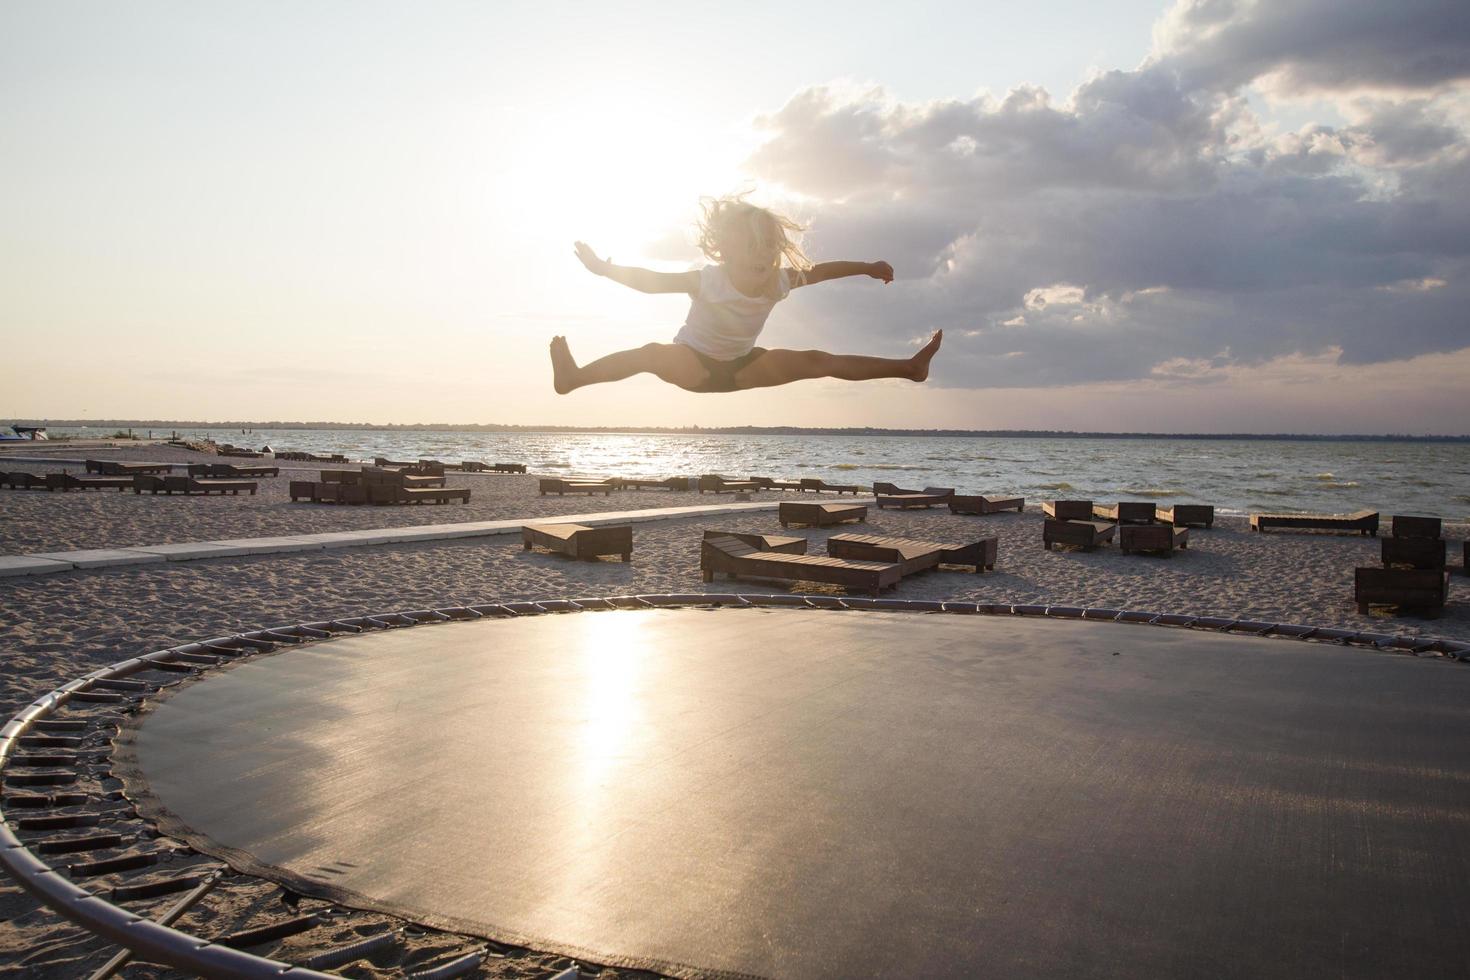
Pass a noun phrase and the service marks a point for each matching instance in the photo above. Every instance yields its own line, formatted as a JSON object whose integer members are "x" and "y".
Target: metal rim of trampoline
{"x": 158, "y": 943}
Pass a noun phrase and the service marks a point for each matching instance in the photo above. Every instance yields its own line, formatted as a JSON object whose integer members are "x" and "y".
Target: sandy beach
{"x": 56, "y": 627}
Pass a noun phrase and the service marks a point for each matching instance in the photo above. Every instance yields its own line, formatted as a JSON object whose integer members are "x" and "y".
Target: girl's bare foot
{"x": 563, "y": 368}
{"x": 919, "y": 363}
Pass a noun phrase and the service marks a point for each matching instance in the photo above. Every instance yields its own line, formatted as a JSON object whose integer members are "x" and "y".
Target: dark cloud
{"x": 1318, "y": 44}
{"x": 1146, "y": 227}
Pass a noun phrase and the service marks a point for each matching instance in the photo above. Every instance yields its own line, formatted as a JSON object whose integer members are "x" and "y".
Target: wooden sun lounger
{"x": 239, "y": 451}
{"x": 496, "y": 467}
{"x": 638, "y": 483}
{"x": 1365, "y": 522}
{"x": 1188, "y": 515}
{"x": 1414, "y": 552}
{"x": 341, "y": 476}
{"x": 400, "y": 476}
{"x": 23, "y": 481}
{"x": 580, "y": 542}
{"x": 1408, "y": 526}
{"x": 714, "y": 483}
{"x": 891, "y": 496}
{"x": 112, "y": 467}
{"x": 1158, "y": 538}
{"x": 70, "y": 481}
{"x": 914, "y": 556}
{"x": 733, "y": 557}
{"x": 189, "y": 485}
{"x": 1126, "y": 512}
{"x": 589, "y": 487}
{"x": 1068, "y": 510}
{"x": 766, "y": 483}
{"x": 420, "y": 495}
{"x": 779, "y": 543}
{"x": 330, "y": 493}
{"x": 1411, "y": 589}
{"x": 1079, "y": 534}
{"x": 820, "y": 515}
{"x": 226, "y": 471}
{"x": 822, "y": 486}
{"x": 964, "y": 503}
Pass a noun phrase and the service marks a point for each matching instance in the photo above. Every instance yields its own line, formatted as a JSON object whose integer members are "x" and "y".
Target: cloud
{"x": 1317, "y": 45}
{"x": 1153, "y": 222}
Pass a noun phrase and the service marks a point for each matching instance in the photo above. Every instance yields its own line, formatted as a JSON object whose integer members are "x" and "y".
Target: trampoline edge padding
{"x": 138, "y": 788}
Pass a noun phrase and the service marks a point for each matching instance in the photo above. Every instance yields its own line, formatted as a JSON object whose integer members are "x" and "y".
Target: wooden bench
{"x": 1188, "y": 515}
{"x": 1079, "y": 534}
{"x": 1408, "y": 526}
{"x": 1365, "y": 522}
{"x": 778, "y": 543}
{"x": 820, "y": 515}
{"x": 579, "y": 541}
{"x": 641, "y": 483}
{"x": 1414, "y": 589}
{"x": 227, "y": 471}
{"x": 1067, "y": 510}
{"x": 1126, "y": 512}
{"x": 964, "y": 503}
{"x": 737, "y": 558}
{"x": 190, "y": 486}
{"x": 912, "y": 555}
{"x": 424, "y": 495}
{"x": 23, "y": 481}
{"x": 1158, "y": 538}
{"x": 589, "y": 487}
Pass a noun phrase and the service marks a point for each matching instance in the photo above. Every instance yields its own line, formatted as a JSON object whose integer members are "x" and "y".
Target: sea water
{"x": 1237, "y": 476}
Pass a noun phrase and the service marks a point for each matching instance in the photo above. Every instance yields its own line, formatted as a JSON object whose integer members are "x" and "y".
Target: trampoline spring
{"x": 573, "y": 972}
{"x": 311, "y": 632}
{"x": 58, "y": 725}
{"x": 460, "y": 612}
{"x": 75, "y": 845}
{"x": 381, "y": 624}
{"x": 202, "y": 659}
{"x": 118, "y": 684}
{"x": 40, "y": 778}
{"x": 176, "y": 667}
{"x": 454, "y": 968}
{"x": 59, "y": 821}
{"x": 97, "y": 697}
{"x": 50, "y": 741}
{"x": 37, "y": 760}
{"x": 167, "y": 919}
{"x": 333, "y": 958}
{"x": 344, "y": 627}
{"x": 138, "y": 891}
{"x": 36, "y": 801}
{"x": 114, "y": 865}
{"x": 247, "y": 938}
{"x": 254, "y": 641}
{"x": 284, "y": 637}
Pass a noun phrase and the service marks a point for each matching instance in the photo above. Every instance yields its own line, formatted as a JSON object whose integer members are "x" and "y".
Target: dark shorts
{"x": 722, "y": 373}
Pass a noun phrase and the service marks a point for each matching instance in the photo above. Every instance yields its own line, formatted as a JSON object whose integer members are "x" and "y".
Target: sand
{"x": 55, "y": 627}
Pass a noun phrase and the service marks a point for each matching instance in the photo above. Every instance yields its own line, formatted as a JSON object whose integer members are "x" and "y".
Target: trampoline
{"x": 802, "y": 792}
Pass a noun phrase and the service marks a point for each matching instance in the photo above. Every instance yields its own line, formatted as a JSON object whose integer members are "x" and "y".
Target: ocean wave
{"x": 1326, "y": 476}
{"x": 1344, "y": 485}
{"x": 876, "y": 466}
{"x": 1054, "y": 486}
{"x": 1153, "y": 492}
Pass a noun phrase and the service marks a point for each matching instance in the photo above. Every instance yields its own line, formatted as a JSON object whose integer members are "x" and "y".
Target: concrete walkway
{"x": 49, "y": 562}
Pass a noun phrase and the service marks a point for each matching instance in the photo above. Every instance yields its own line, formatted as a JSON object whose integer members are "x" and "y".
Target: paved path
{"x": 48, "y": 562}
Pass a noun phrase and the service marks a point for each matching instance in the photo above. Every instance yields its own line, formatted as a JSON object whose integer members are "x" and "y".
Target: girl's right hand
{"x": 589, "y": 259}
{"x": 881, "y": 270}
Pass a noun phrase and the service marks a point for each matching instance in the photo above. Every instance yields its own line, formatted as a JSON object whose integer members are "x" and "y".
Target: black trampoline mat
{"x": 805, "y": 793}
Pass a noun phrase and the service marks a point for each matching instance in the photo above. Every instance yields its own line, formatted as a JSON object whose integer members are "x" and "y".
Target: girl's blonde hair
{"x": 726, "y": 220}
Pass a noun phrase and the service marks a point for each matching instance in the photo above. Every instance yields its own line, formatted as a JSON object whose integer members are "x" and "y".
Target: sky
{"x": 1202, "y": 215}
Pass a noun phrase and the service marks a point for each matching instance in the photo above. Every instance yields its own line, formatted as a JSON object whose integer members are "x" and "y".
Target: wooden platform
{"x": 1079, "y": 534}
{"x": 1126, "y": 512}
{"x": 889, "y": 495}
{"x": 579, "y": 541}
{"x": 820, "y": 515}
{"x": 560, "y": 487}
{"x": 1067, "y": 510}
{"x": 189, "y": 485}
{"x": 1190, "y": 515}
{"x": 739, "y": 559}
{"x": 1364, "y": 522}
{"x": 778, "y": 543}
{"x": 1156, "y": 538}
{"x": 1421, "y": 591}
{"x": 913, "y": 555}
{"x": 968, "y": 503}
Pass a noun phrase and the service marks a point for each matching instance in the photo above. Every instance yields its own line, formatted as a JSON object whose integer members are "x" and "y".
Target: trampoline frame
{"x": 156, "y": 943}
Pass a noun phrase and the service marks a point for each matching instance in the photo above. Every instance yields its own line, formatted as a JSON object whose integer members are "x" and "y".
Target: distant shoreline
{"x": 738, "y": 430}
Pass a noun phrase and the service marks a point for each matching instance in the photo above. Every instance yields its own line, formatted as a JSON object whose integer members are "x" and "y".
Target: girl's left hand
{"x": 590, "y": 260}
{"x": 881, "y": 270}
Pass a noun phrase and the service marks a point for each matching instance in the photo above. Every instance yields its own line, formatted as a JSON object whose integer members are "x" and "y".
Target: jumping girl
{"x": 715, "y": 350}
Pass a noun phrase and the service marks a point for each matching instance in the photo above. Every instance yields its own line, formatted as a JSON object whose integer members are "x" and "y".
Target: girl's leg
{"x": 673, "y": 363}
{"x": 779, "y": 367}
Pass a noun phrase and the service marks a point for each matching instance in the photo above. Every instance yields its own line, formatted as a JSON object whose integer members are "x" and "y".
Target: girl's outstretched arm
{"x": 643, "y": 280}
{"x": 823, "y": 271}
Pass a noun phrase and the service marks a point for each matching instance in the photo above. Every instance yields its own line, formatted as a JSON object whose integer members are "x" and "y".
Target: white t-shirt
{"x": 723, "y": 322}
